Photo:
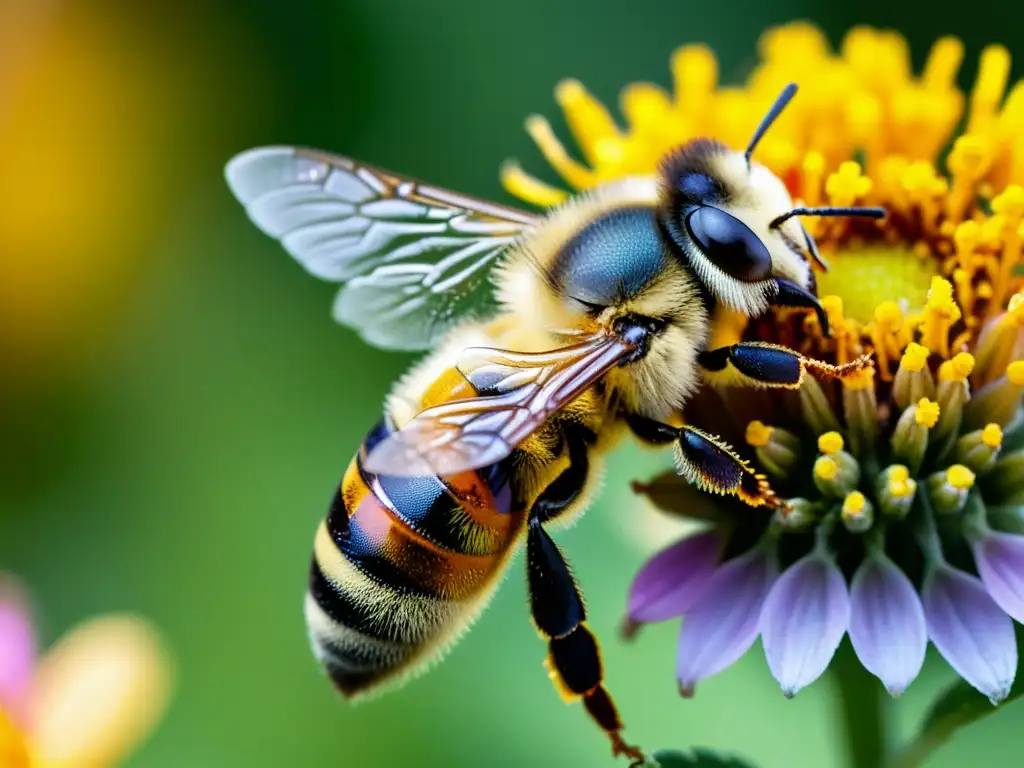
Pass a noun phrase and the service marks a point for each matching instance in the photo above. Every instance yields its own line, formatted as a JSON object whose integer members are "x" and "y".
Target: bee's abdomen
{"x": 395, "y": 563}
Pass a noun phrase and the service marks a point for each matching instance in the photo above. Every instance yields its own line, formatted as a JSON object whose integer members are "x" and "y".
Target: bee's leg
{"x": 707, "y": 461}
{"x": 574, "y": 659}
{"x": 770, "y": 365}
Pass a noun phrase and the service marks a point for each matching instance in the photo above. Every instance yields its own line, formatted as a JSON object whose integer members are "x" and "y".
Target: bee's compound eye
{"x": 729, "y": 244}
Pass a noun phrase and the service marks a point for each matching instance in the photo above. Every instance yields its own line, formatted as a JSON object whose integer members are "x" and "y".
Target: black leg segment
{"x": 712, "y": 465}
{"x": 771, "y": 365}
{"x": 574, "y": 658}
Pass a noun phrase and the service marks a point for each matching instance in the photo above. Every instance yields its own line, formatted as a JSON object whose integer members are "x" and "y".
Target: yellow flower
{"x": 911, "y": 469}
{"x": 89, "y": 701}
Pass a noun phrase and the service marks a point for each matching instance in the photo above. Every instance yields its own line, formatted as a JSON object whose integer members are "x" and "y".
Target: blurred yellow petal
{"x": 99, "y": 693}
{"x": 13, "y": 750}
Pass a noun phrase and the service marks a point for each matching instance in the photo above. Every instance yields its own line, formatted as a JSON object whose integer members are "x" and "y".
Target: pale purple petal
{"x": 971, "y": 632}
{"x": 17, "y": 646}
{"x": 803, "y": 621}
{"x": 673, "y": 580}
{"x": 887, "y": 626}
{"x": 723, "y": 624}
{"x": 1000, "y": 559}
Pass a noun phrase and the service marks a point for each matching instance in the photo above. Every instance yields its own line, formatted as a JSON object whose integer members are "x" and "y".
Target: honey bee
{"x": 599, "y": 323}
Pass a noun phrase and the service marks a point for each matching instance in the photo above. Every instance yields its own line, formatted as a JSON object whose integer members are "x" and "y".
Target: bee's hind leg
{"x": 574, "y": 658}
{"x": 771, "y": 365}
{"x": 707, "y": 461}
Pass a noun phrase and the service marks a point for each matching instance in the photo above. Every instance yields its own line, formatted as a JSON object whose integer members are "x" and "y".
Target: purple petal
{"x": 723, "y": 624}
{"x": 971, "y": 632}
{"x": 887, "y": 625}
{"x": 803, "y": 620}
{"x": 17, "y": 646}
{"x": 1000, "y": 559}
{"x": 673, "y": 580}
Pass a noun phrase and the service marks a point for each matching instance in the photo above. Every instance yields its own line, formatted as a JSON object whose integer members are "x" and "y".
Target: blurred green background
{"x": 176, "y": 405}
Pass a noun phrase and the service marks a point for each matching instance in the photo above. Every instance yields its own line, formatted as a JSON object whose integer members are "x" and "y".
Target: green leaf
{"x": 697, "y": 758}
{"x": 958, "y": 706}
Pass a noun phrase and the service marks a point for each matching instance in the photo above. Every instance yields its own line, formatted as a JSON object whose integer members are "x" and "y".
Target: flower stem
{"x": 861, "y": 707}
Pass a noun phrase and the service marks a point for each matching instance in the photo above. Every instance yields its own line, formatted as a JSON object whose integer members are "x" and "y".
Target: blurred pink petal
{"x": 723, "y": 624}
{"x": 17, "y": 648}
{"x": 887, "y": 626}
{"x": 99, "y": 692}
{"x": 673, "y": 580}
{"x": 803, "y": 621}
{"x": 1000, "y": 559}
{"x": 971, "y": 632}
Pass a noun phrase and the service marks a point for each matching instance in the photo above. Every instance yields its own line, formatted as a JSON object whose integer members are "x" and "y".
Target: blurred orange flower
{"x": 89, "y": 701}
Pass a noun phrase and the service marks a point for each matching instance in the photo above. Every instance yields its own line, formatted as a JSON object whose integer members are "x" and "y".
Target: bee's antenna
{"x": 867, "y": 213}
{"x": 766, "y": 122}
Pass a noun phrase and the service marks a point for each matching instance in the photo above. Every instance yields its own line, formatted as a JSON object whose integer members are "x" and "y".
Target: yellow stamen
{"x": 960, "y": 477}
{"x": 992, "y": 436}
{"x": 826, "y": 468}
{"x": 1015, "y": 373}
{"x": 853, "y": 504}
{"x": 758, "y": 434}
{"x": 830, "y": 443}
{"x": 914, "y": 357}
{"x": 900, "y": 483}
{"x": 940, "y": 313}
{"x": 927, "y": 413}
{"x": 958, "y": 368}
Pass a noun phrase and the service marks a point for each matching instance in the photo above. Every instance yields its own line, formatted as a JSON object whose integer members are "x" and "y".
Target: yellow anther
{"x": 1010, "y": 203}
{"x": 943, "y": 62}
{"x": 967, "y": 236}
{"x": 826, "y": 468}
{"x": 927, "y": 414}
{"x": 957, "y": 369}
{"x": 848, "y": 184}
{"x": 1015, "y": 373}
{"x": 900, "y": 483}
{"x": 960, "y": 477}
{"x": 830, "y": 443}
{"x": 1015, "y": 309}
{"x": 814, "y": 162}
{"x": 914, "y": 357}
{"x": 992, "y": 436}
{"x": 853, "y": 504}
{"x": 862, "y": 379}
{"x": 758, "y": 434}
{"x": 920, "y": 180}
{"x": 888, "y": 313}
{"x": 970, "y": 157}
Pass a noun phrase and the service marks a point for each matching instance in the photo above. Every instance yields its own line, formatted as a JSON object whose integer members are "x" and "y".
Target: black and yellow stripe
{"x": 401, "y": 563}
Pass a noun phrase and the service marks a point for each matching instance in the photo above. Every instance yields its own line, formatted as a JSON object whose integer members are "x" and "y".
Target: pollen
{"x": 992, "y": 436}
{"x": 758, "y": 434}
{"x": 914, "y": 357}
{"x": 826, "y": 468}
{"x": 958, "y": 368}
{"x": 927, "y": 414}
{"x": 853, "y": 505}
{"x": 900, "y": 483}
{"x": 847, "y": 185}
{"x": 830, "y": 443}
{"x": 960, "y": 477}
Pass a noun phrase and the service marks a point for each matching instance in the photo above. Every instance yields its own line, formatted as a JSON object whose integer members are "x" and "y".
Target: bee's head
{"x": 732, "y": 221}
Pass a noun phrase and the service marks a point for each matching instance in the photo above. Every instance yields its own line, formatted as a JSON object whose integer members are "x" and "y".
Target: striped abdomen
{"x": 401, "y": 564}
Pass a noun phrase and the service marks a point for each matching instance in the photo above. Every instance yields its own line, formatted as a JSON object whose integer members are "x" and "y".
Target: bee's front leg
{"x": 757, "y": 364}
{"x": 707, "y": 461}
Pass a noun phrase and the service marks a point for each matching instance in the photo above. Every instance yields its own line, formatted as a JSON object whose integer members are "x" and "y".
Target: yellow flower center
{"x": 867, "y": 277}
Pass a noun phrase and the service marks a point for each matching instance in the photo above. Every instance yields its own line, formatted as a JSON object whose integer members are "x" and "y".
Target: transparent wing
{"x": 527, "y": 388}
{"x": 411, "y": 255}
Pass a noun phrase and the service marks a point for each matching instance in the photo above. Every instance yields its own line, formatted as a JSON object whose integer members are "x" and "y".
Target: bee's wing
{"x": 528, "y": 388}
{"x": 410, "y": 255}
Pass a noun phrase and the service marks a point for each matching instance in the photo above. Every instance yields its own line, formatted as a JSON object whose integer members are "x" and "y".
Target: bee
{"x": 552, "y": 336}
